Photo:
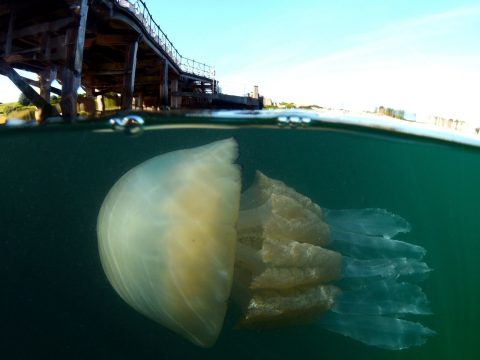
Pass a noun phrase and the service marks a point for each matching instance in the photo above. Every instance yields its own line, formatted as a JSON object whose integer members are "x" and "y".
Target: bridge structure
{"x": 104, "y": 47}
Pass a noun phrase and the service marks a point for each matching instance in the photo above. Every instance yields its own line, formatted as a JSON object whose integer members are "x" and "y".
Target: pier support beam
{"x": 26, "y": 89}
{"x": 45, "y": 81}
{"x": 100, "y": 103}
{"x": 176, "y": 100}
{"x": 139, "y": 102}
{"x": 8, "y": 39}
{"x": 90, "y": 106}
{"x": 129, "y": 77}
{"x": 164, "y": 103}
{"x": 72, "y": 71}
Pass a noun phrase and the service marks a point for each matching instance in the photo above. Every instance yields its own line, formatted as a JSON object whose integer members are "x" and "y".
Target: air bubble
{"x": 293, "y": 121}
{"x": 132, "y": 125}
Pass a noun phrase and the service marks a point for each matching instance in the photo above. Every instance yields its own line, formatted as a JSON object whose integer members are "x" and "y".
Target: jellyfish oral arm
{"x": 296, "y": 261}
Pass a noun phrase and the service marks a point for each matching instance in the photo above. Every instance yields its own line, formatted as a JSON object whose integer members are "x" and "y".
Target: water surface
{"x": 57, "y": 302}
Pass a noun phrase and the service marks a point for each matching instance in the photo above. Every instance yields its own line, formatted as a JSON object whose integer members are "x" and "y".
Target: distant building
{"x": 453, "y": 124}
{"x": 267, "y": 102}
{"x": 255, "y": 92}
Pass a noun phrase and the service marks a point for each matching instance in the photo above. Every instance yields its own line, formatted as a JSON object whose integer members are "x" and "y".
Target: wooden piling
{"x": 164, "y": 87}
{"x": 45, "y": 82}
{"x": 175, "y": 101}
{"x": 72, "y": 71}
{"x": 129, "y": 76}
{"x": 9, "y": 37}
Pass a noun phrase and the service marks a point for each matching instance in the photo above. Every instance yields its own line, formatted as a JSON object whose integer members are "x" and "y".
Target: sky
{"x": 419, "y": 56}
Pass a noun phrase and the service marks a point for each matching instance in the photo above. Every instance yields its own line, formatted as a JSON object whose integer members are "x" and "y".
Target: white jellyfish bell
{"x": 177, "y": 240}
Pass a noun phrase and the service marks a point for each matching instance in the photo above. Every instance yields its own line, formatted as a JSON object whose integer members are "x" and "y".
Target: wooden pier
{"x": 104, "y": 47}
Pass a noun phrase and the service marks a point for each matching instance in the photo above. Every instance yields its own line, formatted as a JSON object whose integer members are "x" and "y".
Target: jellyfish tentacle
{"x": 383, "y": 297}
{"x": 364, "y": 279}
{"x": 384, "y": 268}
{"x": 378, "y": 280}
{"x": 368, "y": 221}
{"x": 384, "y": 332}
{"x": 361, "y": 246}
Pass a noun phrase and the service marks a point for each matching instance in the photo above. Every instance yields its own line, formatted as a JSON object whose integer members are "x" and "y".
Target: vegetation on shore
{"x": 381, "y": 110}
{"x": 395, "y": 113}
{"x": 17, "y": 111}
{"x": 291, "y": 105}
{"x": 23, "y": 109}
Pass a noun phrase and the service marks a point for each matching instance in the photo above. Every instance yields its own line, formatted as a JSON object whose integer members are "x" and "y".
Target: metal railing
{"x": 141, "y": 12}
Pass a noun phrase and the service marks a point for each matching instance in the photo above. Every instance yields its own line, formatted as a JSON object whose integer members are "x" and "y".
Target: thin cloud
{"x": 416, "y": 64}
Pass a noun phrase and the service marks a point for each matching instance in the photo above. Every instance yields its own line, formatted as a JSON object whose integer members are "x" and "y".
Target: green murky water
{"x": 56, "y": 301}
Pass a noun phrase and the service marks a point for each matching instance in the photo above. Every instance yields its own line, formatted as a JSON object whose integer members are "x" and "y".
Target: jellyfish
{"x": 177, "y": 239}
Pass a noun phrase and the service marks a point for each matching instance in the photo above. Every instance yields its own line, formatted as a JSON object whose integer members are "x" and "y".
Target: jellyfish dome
{"x": 177, "y": 239}
{"x": 166, "y": 235}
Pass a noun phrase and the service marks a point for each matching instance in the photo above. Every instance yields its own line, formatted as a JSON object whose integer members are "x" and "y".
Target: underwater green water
{"x": 57, "y": 303}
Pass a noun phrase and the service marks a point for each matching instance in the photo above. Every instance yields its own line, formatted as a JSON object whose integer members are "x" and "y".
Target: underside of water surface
{"x": 58, "y": 301}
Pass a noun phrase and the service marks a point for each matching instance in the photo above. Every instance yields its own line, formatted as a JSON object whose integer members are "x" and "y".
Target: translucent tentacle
{"x": 362, "y": 246}
{"x": 384, "y": 297}
{"x": 384, "y": 268}
{"x": 367, "y": 222}
{"x": 378, "y": 276}
{"x": 384, "y": 332}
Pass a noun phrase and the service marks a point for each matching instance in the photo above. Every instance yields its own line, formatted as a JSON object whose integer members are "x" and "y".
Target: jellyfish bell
{"x": 166, "y": 235}
{"x": 177, "y": 239}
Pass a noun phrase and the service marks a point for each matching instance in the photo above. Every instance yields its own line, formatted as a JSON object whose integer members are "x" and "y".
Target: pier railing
{"x": 141, "y": 12}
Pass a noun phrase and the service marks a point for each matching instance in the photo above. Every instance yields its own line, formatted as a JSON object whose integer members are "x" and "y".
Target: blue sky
{"x": 421, "y": 56}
